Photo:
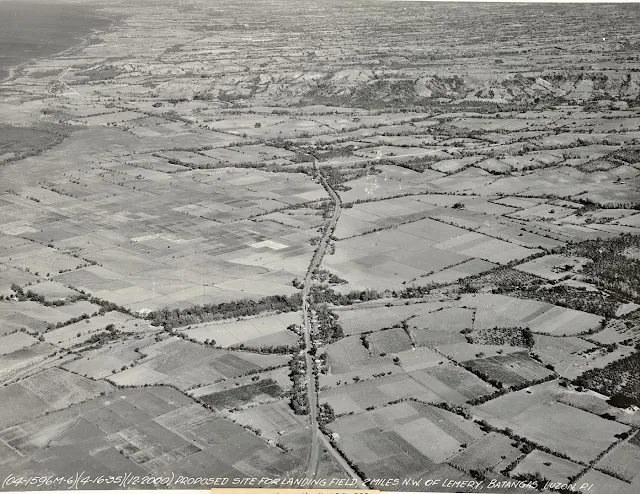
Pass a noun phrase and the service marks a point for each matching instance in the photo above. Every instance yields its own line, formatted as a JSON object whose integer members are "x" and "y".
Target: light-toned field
{"x": 24, "y": 359}
{"x": 37, "y": 317}
{"x": 579, "y": 434}
{"x": 76, "y": 333}
{"x": 185, "y": 364}
{"x": 486, "y": 453}
{"x": 102, "y": 362}
{"x": 454, "y": 273}
{"x": 51, "y": 290}
{"x": 435, "y": 339}
{"x": 549, "y": 466}
{"x": 596, "y": 403}
{"x": 145, "y": 432}
{"x": 561, "y": 351}
{"x": 451, "y": 320}
{"x": 388, "y": 341}
{"x": 358, "y": 396}
{"x": 461, "y": 352}
{"x": 409, "y": 438}
{"x": 355, "y": 320}
{"x": 499, "y": 310}
{"x": 622, "y": 462}
{"x": 602, "y": 483}
{"x": 553, "y": 267}
{"x": 268, "y": 328}
{"x": 573, "y": 367}
{"x": 274, "y": 420}
{"x": 52, "y": 389}
{"x": 349, "y": 355}
{"x": 15, "y": 341}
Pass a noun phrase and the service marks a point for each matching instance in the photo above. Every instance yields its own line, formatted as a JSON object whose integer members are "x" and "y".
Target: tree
{"x": 622, "y": 401}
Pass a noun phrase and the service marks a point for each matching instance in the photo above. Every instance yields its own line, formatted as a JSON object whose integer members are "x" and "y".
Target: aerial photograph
{"x": 320, "y": 244}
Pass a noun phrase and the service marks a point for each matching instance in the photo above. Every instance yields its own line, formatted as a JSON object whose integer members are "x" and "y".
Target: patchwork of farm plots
{"x": 144, "y": 431}
{"x": 404, "y": 440}
{"x": 184, "y": 364}
{"x": 152, "y": 240}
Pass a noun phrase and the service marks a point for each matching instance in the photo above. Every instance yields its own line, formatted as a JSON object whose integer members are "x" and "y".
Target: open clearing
{"x": 409, "y": 437}
{"x": 579, "y": 434}
{"x": 248, "y": 331}
{"x": 185, "y": 364}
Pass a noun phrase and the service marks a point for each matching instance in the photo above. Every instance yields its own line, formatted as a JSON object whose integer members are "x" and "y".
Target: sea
{"x": 34, "y": 29}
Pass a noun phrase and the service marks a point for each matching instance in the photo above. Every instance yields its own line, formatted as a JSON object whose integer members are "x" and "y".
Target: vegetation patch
{"x": 620, "y": 380}
{"x": 242, "y": 395}
{"x": 522, "y": 337}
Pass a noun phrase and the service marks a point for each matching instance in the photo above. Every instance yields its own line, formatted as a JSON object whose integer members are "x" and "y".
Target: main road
{"x": 312, "y": 397}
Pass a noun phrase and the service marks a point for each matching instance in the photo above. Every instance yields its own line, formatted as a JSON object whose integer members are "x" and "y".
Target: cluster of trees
{"x": 212, "y": 312}
{"x": 105, "y": 306}
{"x": 243, "y": 394}
{"x": 299, "y": 401}
{"x": 277, "y": 349}
{"x": 572, "y": 297}
{"x": 612, "y": 267}
{"x": 328, "y": 327}
{"x": 326, "y": 414}
{"x": 322, "y": 294}
{"x": 522, "y": 337}
{"x": 100, "y": 339}
{"x": 324, "y": 276}
{"x": 501, "y": 390}
{"x": 620, "y": 380}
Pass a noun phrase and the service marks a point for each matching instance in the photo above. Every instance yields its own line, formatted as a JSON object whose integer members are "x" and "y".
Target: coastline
{"x": 82, "y": 40}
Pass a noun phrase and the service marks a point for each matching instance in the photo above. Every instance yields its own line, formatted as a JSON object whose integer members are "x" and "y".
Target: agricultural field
{"x": 603, "y": 483}
{"x": 622, "y": 462}
{"x": 534, "y": 412}
{"x": 275, "y": 420}
{"x": 367, "y": 240}
{"x": 550, "y": 467}
{"x": 260, "y": 390}
{"x": 184, "y": 364}
{"x": 509, "y": 370}
{"x": 253, "y": 333}
{"x": 145, "y": 431}
{"x": 502, "y": 311}
{"x": 487, "y": 453}
{"x": 49, "y": 390}
{"x": 15, "y": 341}
{"x": 402, "y": 436}
{"x": 356, "y": 320}
{"x": 358, "y": 396}
{"x": 390, "y": 341}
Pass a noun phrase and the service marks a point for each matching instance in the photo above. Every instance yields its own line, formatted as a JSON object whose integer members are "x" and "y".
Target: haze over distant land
{"x": 30, "y": 29}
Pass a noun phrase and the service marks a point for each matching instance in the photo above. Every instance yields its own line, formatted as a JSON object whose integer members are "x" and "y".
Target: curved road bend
{"x": 316, "y": 435}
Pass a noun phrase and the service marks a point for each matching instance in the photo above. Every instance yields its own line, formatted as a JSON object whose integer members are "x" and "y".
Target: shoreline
{"x": 82, "y": 41}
